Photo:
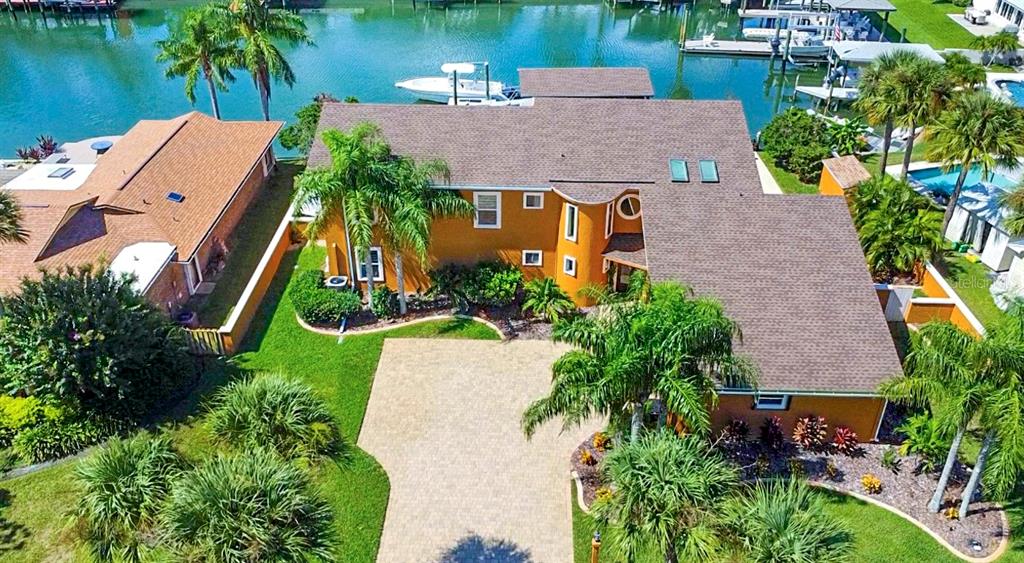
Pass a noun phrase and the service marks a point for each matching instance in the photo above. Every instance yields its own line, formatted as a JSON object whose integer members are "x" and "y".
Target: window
{"x": 771, "y": 402}
{"x": 629, "y": 207}
{"x": 609, "y": 218}
{"x": 533, "y": 200}
{"x": 375, "y": 263}
{"x": 708, "y": 171}
{"x": 572, "y": 217}
{"x": 569, "y": 265}
{"x": 680, "y": 173}
{"x": 488, "y": 210}
{"x": 533, "y": 258}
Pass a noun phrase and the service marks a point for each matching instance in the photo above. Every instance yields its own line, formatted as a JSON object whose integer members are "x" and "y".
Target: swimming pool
{"x": 1015, "y": 89}
{"x": 937, "y": 181}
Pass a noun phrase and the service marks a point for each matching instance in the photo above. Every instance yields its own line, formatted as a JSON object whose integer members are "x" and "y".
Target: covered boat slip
{"x": 866, "y": 52}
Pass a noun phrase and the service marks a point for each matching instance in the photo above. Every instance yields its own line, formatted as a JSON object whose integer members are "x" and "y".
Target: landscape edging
{"x": 442, "y": 317}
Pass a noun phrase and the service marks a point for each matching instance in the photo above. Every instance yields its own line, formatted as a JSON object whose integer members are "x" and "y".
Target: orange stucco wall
{"x": 861, "y": 414}
{"x": 930, "y": 286}
{"x": 828, "y": 184}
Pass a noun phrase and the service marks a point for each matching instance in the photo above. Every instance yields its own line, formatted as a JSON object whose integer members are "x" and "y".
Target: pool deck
{"x": 993, "y": 78}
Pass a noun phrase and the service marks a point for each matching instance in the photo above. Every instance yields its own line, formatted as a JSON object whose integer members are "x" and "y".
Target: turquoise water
{"x": 938, "y": 181}
{"x": 86, "y": 77}
{"x": 1016, "y": 90}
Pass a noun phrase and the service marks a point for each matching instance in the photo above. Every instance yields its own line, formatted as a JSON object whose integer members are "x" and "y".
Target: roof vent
{"x": 63, "y": 172}
{"x": 679, "y": 171}
{"x": 708, "y": 171}
{"x": 175, "y": 197}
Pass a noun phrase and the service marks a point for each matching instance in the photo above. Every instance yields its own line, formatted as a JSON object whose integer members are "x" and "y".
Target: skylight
{"x": 175, "y": 197}
{"x": 679, "y": 171}
{"x": 63, "y": 172}
{"x": 708, "y": 171}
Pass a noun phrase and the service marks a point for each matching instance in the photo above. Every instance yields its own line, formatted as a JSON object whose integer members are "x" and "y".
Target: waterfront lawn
{"x": 971, "y": 282}
{"x": 926, "y": 22}
{"x": 33, "y": 507}
{"x": 248, "y": 243}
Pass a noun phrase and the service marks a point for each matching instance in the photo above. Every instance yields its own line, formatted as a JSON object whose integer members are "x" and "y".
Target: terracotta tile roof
{"x": 586, "y": 82}
{"x": 789, "y": 269}
{"x": 124, "y": 200}
{"x": 561, "y": 139}
{"x": 627, "y": 248}
{"x": 847, "y": 171}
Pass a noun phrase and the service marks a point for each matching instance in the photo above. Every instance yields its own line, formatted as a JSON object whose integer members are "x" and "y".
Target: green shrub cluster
{"x": 36, "y": 431}
{"x": 384, "y": 302}
{"x": 317, "y": 304}
{"x": 797, "y": 142}
{"x": 491, "y": 283}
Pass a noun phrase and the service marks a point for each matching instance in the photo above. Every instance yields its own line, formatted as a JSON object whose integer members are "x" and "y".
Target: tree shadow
{"x": 477, "y": 549}
{"x": 12, "y": 534}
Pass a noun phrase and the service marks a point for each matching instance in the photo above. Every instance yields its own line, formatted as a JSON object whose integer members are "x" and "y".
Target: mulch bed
{"x": 508, "y": 319}
{"x": 589, "y": 474}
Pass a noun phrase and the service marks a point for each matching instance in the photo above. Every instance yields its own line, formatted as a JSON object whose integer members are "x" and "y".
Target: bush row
{"x": 317, "y": 304}
{"x": 491, "y": 283}
{"x": 37, "y": 432}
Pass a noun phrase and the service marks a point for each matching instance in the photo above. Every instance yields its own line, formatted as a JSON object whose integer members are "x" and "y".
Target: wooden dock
{"x": 727, "y": 48}
{"x": 773, "y": 14}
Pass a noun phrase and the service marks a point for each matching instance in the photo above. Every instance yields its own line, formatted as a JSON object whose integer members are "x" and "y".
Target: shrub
{"x": 831, "y": 471}
{"x": 450, "y": 281}
{"x": 299, "y": 135}
{"x": 124, "y": 486}
{"x": 951, "y": 513}
{"x": 64, "y": 432}
{"x": 494, "y": 284}
{"x": 603, "y": 493}
{"x": 845, "y": 441}
{"x": 796, "y": 141}
{"x": 17, "y": 413}
{"x": 587, "y": 458}
{"x": 872, "y": 484}
{"x": 797, "y": 468}
{"x": 771, "y": 433}
{"x": 925, "y": 440}
{"x": 86, "y": 335}
{"x": 269, "y": 411}
{"x": 544, "y": 298}
{"x": 250, "y": 507}
{"x": 847, "y": 138}
{"x": 762, "y": 466}
{"x": 736, "y": 431}
{"x": 891, "y": 461}
{"x": 810, "y": 432}
{"x": 601, "y": 441}
{"x": 385, "y": 302}
{"x": 317, "y": 304}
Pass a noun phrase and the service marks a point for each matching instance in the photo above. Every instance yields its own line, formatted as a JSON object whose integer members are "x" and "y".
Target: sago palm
{"x": 667, "y": 495}
{"x": 544, "y": 298}
{"x": 674, "y": 347}
{"x": 124, "y": 485}
{"x": 11, "y": 220}
{"x": 201, "y": 46}
{"x": 976, "y": 130}
{"x": 787, "y": 522}
{"x": 257, "y": 27}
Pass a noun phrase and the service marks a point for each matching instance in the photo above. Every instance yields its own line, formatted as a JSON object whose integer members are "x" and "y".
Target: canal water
{"x": 90, "y": 75}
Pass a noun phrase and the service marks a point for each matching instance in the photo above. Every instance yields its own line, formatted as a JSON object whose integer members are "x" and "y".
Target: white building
{"x": 1003, "y": 13}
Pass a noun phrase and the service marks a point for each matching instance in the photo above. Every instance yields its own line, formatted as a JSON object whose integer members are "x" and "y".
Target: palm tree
{"x": 962, "y": 72}
{"x": 544, "y": 298}
{"x": 348, "y": 189}
{"x": 994, "y": 45}
{"x": 674, "y": 347}
{"x": 200, "y": 45}
{"x": 11, "y": 219}
{"x": 257, "y": 26}
{"x": 976, "y": 129}
{"x": 124, "y": 485}
{"x": 898, "y": 229}
{"x": 881, "y": 94}
{"x": 925, "y": 90}
{"x": 1014, "y": 202}
{"x": 667, "y": 494}
{"x": 787, "y": 522}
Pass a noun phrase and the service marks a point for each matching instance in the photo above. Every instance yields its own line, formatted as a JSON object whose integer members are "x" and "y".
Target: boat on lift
{"x": 460, "y": 81}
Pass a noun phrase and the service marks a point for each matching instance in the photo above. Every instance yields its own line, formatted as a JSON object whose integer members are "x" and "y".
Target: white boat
{"x": 460, "y": 82}
{"x": 518, "y": 102}
{"x": 768, "y": 33}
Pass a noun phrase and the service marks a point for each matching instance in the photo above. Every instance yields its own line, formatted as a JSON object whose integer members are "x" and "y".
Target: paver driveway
{"x": 443, "y": 420}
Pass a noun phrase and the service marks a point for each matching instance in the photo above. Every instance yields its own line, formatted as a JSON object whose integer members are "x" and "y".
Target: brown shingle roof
{"x": 847, "y": 171}
{"x": 608, "y": 82}
{"x": 789, "y": 269}
{"x": 627, "y": 248}
{"x": 561, "y": 139}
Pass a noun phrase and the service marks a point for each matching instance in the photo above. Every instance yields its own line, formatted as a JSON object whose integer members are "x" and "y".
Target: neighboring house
{"x": 840, "y": 174}
{"x": 1007, "y": 15}
{"x": 587, "y": 190}
{"x": 159, "y": 203}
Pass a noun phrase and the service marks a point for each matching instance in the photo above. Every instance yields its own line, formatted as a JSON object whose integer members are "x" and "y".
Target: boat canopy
{"x": 868, "y": 51}
{"x": 861, "y": 5}
{"x": 461, "y": 68}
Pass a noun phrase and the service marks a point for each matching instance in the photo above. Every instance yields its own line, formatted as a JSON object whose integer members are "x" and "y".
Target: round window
{"x": 629, "y": 207}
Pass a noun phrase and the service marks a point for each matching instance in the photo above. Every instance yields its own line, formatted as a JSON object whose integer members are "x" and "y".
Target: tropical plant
{"x": 992, "y": 46}
{"x": 675, "y": 346}
{"x": 450, "y": 280}
{"x": 924, "y": 438}
{"x": 963, "y": 72}
{"x": 666, "y": 495}
{"x": 847, "y": 137}
{"x": 891, "y": 460}
{"x": 787, "y": 522}
{"x": 545, "y": 299}
{"x": 772, "y": 437}
{"x": 638, "y": 288}
{"x": 924, "y": 89}
{"x": 844, "y": 440}
{"x": 11, "y": 220}
{"x": 86, "y": 335}
{"x": 299, "y": 135}
{"x": 882, "y": 94}
{"x": 385, "y": 302}
{"x": 736, "y": 431}
{"x": 44, "y": 147}
{"x": 871, "y": 483}
{"x": 248, "y": 507}
{"x": 1013, "y": 201}
{"x": 493, "y": 283}
{"x": 810, "y": 432}
{"x": 62, "y": 431}
{"x": 975, "y": 130}
{"x": 201, "y": 45}
{"x": 256, "y": 28}
{"x": 796, "y": 141}
{"x": 123, "y": 489}
{"x": 273, "y": 412}
{"x": 899, "y": 230}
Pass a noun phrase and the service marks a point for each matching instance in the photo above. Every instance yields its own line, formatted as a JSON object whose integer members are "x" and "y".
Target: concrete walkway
{"x": 443, "y": 420}
{"x": 768, "y": 183}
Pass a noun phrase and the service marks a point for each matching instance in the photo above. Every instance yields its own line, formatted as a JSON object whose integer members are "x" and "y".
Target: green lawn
{"x": 926, "y": 22}
{"x": 248, "y": 243}
{"x": 789, "y": 183}
{"x": 32, "y": 507}
{"x": 970, "y": 281}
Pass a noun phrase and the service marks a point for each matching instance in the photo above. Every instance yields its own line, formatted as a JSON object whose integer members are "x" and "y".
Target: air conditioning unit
{"x": 336, "y": 282}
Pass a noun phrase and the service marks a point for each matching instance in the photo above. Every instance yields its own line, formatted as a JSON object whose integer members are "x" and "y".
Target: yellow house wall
{"x": 861, "y": 414}
{"x": 587, "y": 248}
{"x": 828, "y": 184}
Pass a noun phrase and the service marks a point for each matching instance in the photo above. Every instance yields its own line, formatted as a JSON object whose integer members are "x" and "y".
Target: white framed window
{"x": 569, "y": 265}
{"x": 533, "y": 258}
{"x": 771, "y": 402}
{"x": 533, "y": 200}
{"x": 605, "y": 266}
{"x": 629, "y": 207}
{"x": 609, "y": 219}
{"x": 488, "y": 210}
{"x": 375, "y": 263}
{"x": 572, "y": 220}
